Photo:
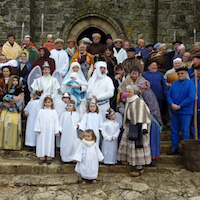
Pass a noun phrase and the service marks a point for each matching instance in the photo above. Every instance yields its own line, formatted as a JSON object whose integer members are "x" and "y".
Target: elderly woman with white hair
{"x": 161, "y": 58}
{"x": 134, "y": 148}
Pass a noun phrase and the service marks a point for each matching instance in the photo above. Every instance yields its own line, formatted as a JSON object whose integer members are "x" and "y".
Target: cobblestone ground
{"x": 176, "y": 184}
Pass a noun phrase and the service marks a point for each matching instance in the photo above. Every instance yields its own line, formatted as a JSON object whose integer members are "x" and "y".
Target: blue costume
{"x": 158, "y": 85}
{"x": 181, "y": 93}
{"x": 144, "y": 52}
{"x": 198, "y": 113}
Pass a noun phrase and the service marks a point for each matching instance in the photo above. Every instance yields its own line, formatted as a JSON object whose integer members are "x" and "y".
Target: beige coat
{"x": 11, "y": 52}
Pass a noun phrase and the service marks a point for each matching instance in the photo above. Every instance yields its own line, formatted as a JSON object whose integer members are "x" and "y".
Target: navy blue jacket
{"x": 182, "y": 93}
{"x": 158, "y": 84}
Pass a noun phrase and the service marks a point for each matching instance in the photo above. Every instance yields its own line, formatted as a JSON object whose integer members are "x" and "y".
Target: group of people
{"x": 97, "y": 102}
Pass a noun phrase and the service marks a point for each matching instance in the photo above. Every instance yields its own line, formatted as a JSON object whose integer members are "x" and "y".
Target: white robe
{"x": 88, "y": 158}
{"x": 103, "y": 89}
{"x": 120, "y": 56}
{"x": 69, "y": 137}
{"x": 48, "y": 84}
{"x": 32, "y": 109}
{"x": 61, "y": 60}
{"x": 47, "y": 123}
{"x": 92, "y": 121}
{"x": 110, "y": 148}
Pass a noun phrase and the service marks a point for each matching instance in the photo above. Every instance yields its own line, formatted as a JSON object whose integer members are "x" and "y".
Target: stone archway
{"x": 104, "y": 24}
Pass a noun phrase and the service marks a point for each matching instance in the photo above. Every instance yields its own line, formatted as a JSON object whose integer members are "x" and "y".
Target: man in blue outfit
{"x": 181, "y": 97}
{"x": 141, "y": 50}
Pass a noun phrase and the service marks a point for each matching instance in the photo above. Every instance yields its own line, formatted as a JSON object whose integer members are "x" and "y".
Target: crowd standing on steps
{"x": 97, "y": 102}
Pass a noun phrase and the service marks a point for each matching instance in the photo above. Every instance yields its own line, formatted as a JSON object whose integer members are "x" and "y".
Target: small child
{"x": 47, "y": 83}
{"x": 68, "y": 128}
{"x": 47, "y": 127}
{"x": 110, "y": 134}
{"x": 66, "y": 97}
{"x": 92, "y": 119}
{"x": 31, "y": 111}
{"x": 88, "y": 156}
{"x": 122, "y": 102}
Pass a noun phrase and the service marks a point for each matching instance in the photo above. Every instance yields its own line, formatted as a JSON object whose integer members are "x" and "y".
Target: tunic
{"x": 92, "y": 121}
{"x": 88, "y": 156}
{"x": 121, "y": 55}
{"x": 32, "y": 109}
{"x": 69, "y": 137}
{"x": 47, "y": 123}
{"x": 48, "y": 84}
{"x": 61, "y": 60}
{"x": 33, "y": 54}
{"x": 110, "y": 147}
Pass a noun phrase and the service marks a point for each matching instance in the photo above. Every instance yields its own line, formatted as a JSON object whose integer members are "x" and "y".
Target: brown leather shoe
{"x": 137, "y": 172}
{"x": 124, "y": 163}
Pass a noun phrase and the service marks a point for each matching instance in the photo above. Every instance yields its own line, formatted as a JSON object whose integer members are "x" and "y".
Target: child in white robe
{"x": 92, "y": 119}
{"x": 47, "y": 127}
{"x": 88, "y": 156}
{"x": 68, "y": 128}
{"x": 31, "y": 111}
{"x": 47, "y": 83}
{"x": 110, "y": 132}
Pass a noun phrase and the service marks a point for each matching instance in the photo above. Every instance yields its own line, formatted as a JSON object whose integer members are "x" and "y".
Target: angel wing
{"x": 34, "y": 74}
{"x": 119, "y": 119}
{"x": 58, "y": 76}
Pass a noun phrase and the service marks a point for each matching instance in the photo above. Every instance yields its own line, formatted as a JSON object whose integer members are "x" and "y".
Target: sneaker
{"x": 84, "y": 182}
{"x": 41, "y": 162}
{"x": 94, "y": 181}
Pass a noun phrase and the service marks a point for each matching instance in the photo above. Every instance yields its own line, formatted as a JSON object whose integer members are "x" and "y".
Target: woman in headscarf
{"x": 72, "y": 48}
{"x": 150, "y": 99}
{"x": 134, "y": 147}
{"x": 44, "y": 56}
{"x": 23, "y": 70}
{"x": 10, "y": 121}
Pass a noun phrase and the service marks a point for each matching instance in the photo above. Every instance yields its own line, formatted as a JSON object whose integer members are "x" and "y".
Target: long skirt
{"x": 10, "y": 130}
{"x": 155, "y": 141}
{"x": 128, "y": 153}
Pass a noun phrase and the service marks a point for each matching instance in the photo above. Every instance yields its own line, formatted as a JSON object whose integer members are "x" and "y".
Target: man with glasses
{"x": 181, "y": 97}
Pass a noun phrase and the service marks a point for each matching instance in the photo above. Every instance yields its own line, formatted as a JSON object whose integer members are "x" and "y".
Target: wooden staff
{"x": 195, "y": 106}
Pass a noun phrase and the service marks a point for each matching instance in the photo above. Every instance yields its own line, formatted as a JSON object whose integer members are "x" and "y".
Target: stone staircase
{"x": 23, "y": 162}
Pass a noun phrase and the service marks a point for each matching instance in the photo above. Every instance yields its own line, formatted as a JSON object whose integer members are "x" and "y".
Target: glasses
{"x": 181, "y": 73}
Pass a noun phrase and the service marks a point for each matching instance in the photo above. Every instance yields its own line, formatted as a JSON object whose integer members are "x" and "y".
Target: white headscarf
{"x": 80, "y": 73}
{"x": 97, "y": 74}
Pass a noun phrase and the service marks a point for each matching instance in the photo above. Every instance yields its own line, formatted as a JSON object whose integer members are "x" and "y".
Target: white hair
{"x": 134, "y": 88}
{"x": 161, "y": 46}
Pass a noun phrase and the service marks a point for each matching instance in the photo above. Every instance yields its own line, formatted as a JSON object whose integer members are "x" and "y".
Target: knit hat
{"x": 177, "y": 59}
{"x": 123, "y": 95}
{"x": 143, "y": 84}
{"x": 181, "y": 46}
{"x": 156, "y": 45}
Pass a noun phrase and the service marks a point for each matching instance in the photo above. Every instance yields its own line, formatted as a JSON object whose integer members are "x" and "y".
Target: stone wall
{"x": 132, "y": 19}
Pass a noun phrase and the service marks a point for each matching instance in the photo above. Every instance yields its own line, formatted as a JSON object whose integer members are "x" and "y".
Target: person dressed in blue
{"x": 198, "y": 105}
{"x": 157, "y": 82}
{"x": 141, "y": 50}
{"x": 181, "y": 97}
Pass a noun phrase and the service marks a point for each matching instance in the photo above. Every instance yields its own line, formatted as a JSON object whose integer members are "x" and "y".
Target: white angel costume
{"x": 111, "y": 130}
{"x": 101, "y": 86}
{"x": 61, "y": 60}
{"x": 32, "y": 109}
{"x": 48, "y": 124}
{"x": 88, "y": 156}
{"x": 94, "y": 121}
{"x": 69, "y": 137}
{"x": 48, "y": 84}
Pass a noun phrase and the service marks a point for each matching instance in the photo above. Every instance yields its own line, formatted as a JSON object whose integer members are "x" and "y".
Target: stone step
{"x": 24, "y": 166}
{"x": 165, "y": 146}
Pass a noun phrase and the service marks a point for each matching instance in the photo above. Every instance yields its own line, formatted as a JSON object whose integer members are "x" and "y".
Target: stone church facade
{"x": 152, "y": 20}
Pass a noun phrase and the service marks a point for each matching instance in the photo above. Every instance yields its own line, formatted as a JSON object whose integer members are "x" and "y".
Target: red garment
{"x": 2, "y": 85}
{"x": 40, "y": 61}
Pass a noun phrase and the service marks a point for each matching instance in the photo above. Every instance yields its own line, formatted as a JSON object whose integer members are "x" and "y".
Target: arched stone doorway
{"x": 84, "y": 24}
{"x": 88, "y": 33}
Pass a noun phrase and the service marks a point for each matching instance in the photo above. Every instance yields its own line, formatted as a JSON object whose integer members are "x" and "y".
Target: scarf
{"x": 88, "y": 143}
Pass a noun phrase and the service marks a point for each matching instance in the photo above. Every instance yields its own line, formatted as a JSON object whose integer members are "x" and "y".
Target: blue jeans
{"x": 180, "y": 122}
